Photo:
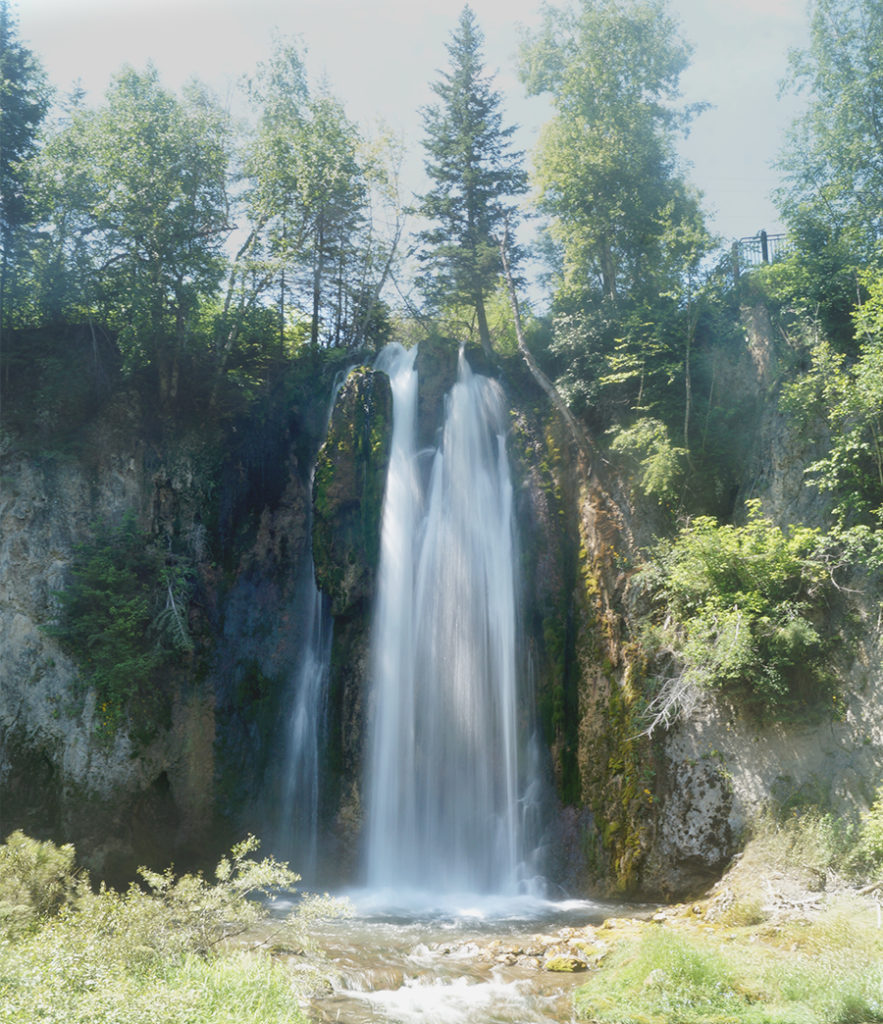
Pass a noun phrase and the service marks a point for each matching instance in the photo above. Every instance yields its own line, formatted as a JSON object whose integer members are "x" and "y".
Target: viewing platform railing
{"x": 759, "y": 249}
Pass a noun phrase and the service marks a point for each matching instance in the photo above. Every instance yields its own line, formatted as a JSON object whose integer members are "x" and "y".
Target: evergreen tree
{"x": 474, "y": 175}
{"x": 24, "y": 99}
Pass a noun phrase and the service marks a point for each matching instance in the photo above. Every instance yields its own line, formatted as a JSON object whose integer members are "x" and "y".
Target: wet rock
{"x": 348, "y": 491}
{"x": 564, "y": 963}
{"x": 436, "y": 366}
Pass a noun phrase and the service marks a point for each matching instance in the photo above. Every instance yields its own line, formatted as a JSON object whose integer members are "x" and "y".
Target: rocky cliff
{"x": 625, "y": 812}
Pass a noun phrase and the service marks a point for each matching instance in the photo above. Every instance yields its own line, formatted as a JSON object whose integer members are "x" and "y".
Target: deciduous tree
{"x": 833, "y": 162}
{"x": 142, "y": 185}
{"x": 607, "y": 168}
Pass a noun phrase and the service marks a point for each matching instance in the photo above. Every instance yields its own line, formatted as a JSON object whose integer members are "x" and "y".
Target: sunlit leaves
{"x": 606, "y": 166}
{"x": 741, "y": 608}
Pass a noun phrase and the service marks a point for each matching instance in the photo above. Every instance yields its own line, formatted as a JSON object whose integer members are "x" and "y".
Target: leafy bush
{"x": 845, "y": 397}
{"x": 164, "y": 952}
{"x": 36, "y": 879}
{"x": 123, "y": 618}
{"x": 659, "y": 464}
{"x": 738, "y": 608}
{"x": 869, "y": 849}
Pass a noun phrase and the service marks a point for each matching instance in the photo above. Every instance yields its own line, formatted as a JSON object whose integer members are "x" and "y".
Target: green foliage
{"x": 473, "y": 174}
{"x": 832, "y": 972}
{"x": 869, "y": 849}
{"x": 845, "y": 398}
{"x": 313, "y": 247}
{"x": 141, "y": 183}
{"x": 124, "y": 619}
{"x": 741, "y": 609}
{"x": 163, "y": 952}
{"x": 805, "y": 841}
{"x": 624, "y": 222}
{"x": 658, "y": 463}
{"x": 36, "y": 879}
{"x": 24, "y": 100}
{"x": 833, "y": 162}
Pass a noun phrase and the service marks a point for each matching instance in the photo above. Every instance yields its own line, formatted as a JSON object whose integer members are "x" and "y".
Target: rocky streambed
{"x": 490, "y": 964}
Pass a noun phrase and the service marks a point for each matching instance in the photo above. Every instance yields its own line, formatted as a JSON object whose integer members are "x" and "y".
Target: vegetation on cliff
{"x": 124, "y": 618}
{"x": 790, "y": 934}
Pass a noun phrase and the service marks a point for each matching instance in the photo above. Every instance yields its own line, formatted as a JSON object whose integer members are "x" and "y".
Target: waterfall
{"x": 442, "y": 785}
{"x": 299, "y": 803}
{"x": 297, "y": 826}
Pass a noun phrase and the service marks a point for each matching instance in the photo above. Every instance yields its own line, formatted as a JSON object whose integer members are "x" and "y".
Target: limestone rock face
{"x": 58, "y": 777}
{"x": 348, "y": 491}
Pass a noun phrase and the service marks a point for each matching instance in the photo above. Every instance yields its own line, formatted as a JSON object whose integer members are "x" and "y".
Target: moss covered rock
{"x": 436, "y": 372}
{"x": 348, "y": 491}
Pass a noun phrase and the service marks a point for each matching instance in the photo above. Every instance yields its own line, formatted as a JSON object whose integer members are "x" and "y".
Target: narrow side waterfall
{"x": 443, "y": 809}
{"x": 298, "y": 825}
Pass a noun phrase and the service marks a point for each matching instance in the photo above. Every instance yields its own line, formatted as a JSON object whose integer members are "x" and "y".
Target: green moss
{"x": 348, "y": 488}
{"x": 564, "y": 964}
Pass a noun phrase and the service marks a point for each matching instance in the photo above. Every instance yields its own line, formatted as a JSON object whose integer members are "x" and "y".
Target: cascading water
{"x": 443, "y": 810}
{"x": 298, "y": 826}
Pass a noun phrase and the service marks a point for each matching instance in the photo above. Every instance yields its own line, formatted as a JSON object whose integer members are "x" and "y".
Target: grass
{"x": 41, "y": 982}
{"x": 830, "y": 972}
{"x": 783, "y": 939}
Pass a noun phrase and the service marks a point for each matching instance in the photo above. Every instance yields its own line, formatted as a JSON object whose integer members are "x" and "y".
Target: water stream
{"x": 297, "y": 818}
{"x": 482, "y": 962}
{"x": 297, "y": 828}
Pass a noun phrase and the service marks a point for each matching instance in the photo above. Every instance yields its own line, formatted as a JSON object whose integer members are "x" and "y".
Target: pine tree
{"x": 474, "y": 175}
{"x": 24, "y": 100}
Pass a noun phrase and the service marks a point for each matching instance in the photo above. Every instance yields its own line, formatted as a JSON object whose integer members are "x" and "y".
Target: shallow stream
{"x": 479, "y": 962}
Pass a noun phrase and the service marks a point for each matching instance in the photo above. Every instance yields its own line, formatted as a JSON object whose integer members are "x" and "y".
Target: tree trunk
{"x": 576, "y": 431}
{"x": 317, "y": 285}
{"x": 483, "y": 331}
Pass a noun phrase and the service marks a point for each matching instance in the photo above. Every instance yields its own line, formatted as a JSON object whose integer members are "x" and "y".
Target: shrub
{"x": 36, "y": 879}
{"x": 172, "y": 950}
{"x": 124, "y": 620}
{"x": 738, "y": 609}
{"x": 869, "y": 848}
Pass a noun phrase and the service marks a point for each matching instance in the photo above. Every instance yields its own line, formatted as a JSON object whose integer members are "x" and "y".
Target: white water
{"x": 481, "y": 965}
{"x": 442, "y": 785}
{"x": 298, "y": 828}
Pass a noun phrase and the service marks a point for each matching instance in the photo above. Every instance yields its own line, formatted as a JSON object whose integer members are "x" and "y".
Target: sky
{"x": 379, "y": 58}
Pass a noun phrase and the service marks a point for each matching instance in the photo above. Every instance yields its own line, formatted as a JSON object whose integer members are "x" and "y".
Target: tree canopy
{"x": 622, "y": 216}
{"x": 24, "y": 101}
{"x": 833, "y": 161}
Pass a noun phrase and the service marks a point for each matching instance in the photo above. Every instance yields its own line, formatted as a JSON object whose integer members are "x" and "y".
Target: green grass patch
{"x": 829, "y": 972}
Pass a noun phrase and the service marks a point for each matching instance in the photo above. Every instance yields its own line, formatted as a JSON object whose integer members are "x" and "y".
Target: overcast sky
{"x": 380, "y": 57}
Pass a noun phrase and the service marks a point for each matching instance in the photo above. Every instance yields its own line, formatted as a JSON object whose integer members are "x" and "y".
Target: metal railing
{"x": 759, "y": 249}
